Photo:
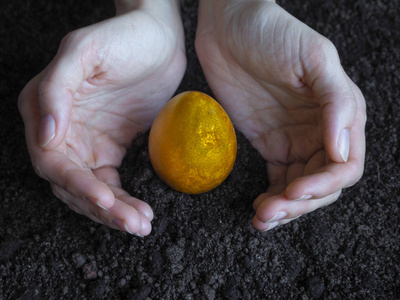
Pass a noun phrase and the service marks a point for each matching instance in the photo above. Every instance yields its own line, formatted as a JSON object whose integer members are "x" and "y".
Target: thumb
{"x": 61, "y": 80}
{"x": 332, "y": 88}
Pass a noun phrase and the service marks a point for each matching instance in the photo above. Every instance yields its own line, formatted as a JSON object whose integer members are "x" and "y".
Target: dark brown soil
{"x": 203, "y": 246}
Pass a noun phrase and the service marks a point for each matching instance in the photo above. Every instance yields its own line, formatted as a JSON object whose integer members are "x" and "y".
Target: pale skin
{"x": 107, "y": 83}
{"x": 281, "y": 83}
{"x": 284, "y": 87}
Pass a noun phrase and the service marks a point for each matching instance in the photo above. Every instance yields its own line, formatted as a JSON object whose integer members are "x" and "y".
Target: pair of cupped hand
{"x": 281, "y": 83}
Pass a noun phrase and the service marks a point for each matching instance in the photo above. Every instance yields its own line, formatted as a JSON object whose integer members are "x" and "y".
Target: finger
{"x": 330, "y": 85}
{"x": 277, "y": 181}
{"x": 61, "y": 80}
{"x": 129, "y": 219}
{"x": 120, "y": 216}
{"x": 277, "y": 210}
{"x": 57, "y": 168}
{"x": 321, "y": 182}
{"x": 332, "y": 178}
{"x": 110, "y": 176}
{"x": 140, "y": 205}
{"x": 145, "y": 221}
{"x": 27, "y": 103}
{"x": 270, "y": 225}
{"x": 276, "y": 174}
{"x": 259, "y": 199}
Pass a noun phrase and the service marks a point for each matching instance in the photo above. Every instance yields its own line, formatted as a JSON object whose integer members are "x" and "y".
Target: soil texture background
{"x": 203, "y": 246}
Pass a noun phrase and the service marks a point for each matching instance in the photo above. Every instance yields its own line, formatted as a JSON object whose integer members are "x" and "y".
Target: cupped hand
{"x": 284, "y": 87}
{"x": 105, "y": 85}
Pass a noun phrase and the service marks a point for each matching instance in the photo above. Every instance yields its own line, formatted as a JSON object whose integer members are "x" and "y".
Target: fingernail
{"x": 101, "y": 206}
{"x": 47, "y": 130}
{"x": 95, "y": 201}
{"x": 344, "y": 144}
{"x": 127, "y": 229}
{"x": 121, "y": 224}
{"x": 273, "y": 225}
{"x": 279, "y": 215}
{"x": 304, "y": 197}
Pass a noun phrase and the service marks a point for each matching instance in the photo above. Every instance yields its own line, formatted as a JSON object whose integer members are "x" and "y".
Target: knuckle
{"x": 75, "y": 40}
{"x": 349, "y": 98}
{"x": 68, "y": 39}
{"x": 322, "y": 54}
{"x": 326, "y": 48}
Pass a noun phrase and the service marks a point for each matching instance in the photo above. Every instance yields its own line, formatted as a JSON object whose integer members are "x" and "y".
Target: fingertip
{"x": 141, "y": 206}
{"x": 47, "y": 130}
{"x": 343, "y": 144}
{"x": 133, "y": 222}
{"x": 145, "y": 209}
{"x": 54, "y": 108}
{"x": 267, "y": 208}
{"x": 260, "y": 199}
{"x": 122, "y": 225}
{"x": 339, "y": 106}
{"x": 257, "y": 202}
{"x": 262, "y": 214}
{"x": 146, "y": 226}
{"x": 299, "y": 189}
{"x": 337, "y": 144}
{"x": 106, "y": 200}
{"x": 101, "y": 206}
{"x": 142, "y": 217}
{"x": 259, "y": 225}
{"x": 103, "y": 197}
{"x": 264, "y": 226}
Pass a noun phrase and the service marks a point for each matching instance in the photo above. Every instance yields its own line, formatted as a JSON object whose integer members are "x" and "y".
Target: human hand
{"x": 284, "y": 87}
{"x": 105, "y": 85}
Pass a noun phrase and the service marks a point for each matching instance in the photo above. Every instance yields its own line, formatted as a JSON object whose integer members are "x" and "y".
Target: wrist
{"x": 221, "y": 5}
{"x": 165, "y": 12}
{"x": 126, "y": 6}
{"x": 212, "y": 12}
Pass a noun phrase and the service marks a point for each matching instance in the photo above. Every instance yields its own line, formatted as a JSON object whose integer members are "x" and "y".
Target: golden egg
{"x": 192, "y": 143}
